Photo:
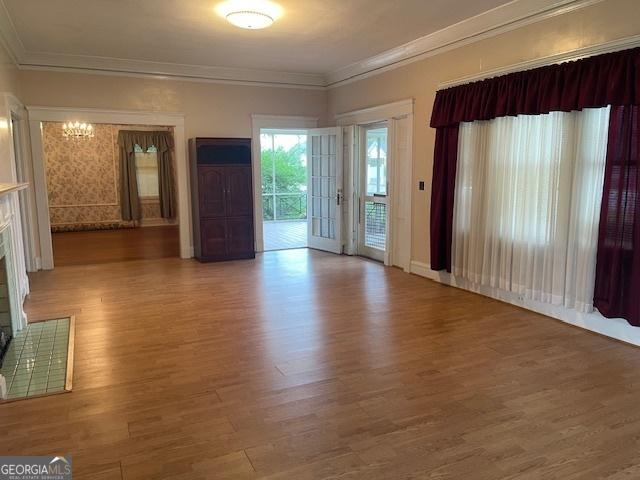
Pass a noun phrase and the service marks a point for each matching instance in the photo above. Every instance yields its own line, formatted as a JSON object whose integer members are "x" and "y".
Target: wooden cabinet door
{"x": 239, "y": 198}
{"x": 211, "y": 189}
{"x": 240, "y": 236}
{"x": 213, "y": 237}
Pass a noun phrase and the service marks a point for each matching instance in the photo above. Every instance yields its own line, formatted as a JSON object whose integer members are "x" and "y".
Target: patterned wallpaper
{"x": 82, "y": 179}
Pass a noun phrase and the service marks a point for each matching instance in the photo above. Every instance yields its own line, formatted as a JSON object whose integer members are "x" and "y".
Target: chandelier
{"x": 77, "y": 130}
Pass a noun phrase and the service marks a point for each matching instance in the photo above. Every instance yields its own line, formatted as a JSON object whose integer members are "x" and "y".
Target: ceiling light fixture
{"x": 249, "y": 19}
{"x": 250, "y": 14}
{"x": 77, "y": 130}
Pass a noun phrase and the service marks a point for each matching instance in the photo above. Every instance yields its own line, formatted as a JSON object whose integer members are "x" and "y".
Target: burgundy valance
{"x": 598, "y": 81}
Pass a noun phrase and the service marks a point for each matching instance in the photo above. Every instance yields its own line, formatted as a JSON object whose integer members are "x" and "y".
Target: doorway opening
{"x": 373, "y": 191}
{"x": 283, "y": 161}
{"x": 87, "y": 195}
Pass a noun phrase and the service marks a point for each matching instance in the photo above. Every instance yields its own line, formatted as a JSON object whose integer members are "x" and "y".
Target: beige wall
{"x": 8, "y": 84}
{"x": 210, "y": 109}
{"x": 8, "y": 74}
{"x": 602, "y": 22}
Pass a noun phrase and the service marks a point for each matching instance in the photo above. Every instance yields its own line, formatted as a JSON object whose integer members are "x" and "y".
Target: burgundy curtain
{"x": 617, "y": 292}
{"x": 442, "y": 196}
{"x": 609, "y": 79}
{"x": 598, "y": 81}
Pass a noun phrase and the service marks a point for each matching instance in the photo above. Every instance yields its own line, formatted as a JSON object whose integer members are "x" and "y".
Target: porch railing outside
{"x": 284, "y": 206}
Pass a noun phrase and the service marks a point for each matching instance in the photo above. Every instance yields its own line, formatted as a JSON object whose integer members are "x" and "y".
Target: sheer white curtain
{"x": 527, "y": 204}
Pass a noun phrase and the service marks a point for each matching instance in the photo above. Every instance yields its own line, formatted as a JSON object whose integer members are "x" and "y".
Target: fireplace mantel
{"x": 12, "y": 248}
{"x": 11, "y": 187}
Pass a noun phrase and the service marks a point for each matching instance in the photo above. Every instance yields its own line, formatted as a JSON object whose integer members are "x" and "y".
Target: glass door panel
{"x": 325, "y": 189}
{"x": 373, "y": 200}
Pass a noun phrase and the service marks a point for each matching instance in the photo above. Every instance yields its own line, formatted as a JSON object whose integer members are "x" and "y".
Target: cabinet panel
{"x": 239, "y": 191}
{"x": 214, "y": 237}
{"x": 240, "y": 235}
{"x": 211, "y": 187}
{"x": 224, "y": 154}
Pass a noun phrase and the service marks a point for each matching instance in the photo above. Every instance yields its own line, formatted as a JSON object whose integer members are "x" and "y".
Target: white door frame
{"x": 23, "y": 173}
{"x": 360, "y": 184}
{"x": 258, "y": 122}
{"x": 37, "y": 115}
{"x": 399, "y": 172}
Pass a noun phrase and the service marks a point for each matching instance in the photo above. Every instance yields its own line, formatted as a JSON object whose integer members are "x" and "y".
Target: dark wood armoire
{"x": 222, "y": 198}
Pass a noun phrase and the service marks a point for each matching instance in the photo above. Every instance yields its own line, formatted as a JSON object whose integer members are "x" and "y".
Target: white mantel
{"x": 11, "y": 242}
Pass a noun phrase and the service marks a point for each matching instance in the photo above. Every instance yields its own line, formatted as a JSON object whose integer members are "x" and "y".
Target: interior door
{"x": 324, "y": 187}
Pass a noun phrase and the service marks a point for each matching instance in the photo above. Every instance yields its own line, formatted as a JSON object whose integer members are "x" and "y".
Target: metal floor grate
{"x": 375, "y": 222}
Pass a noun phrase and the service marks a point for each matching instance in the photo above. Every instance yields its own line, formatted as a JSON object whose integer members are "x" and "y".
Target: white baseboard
{"x": 617, "y": 328}
{"x": 423, "y": 269}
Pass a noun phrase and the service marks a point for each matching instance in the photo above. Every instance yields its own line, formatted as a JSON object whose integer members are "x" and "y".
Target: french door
{"x": 373, "y": 190}
{"x": 324, "y": 205}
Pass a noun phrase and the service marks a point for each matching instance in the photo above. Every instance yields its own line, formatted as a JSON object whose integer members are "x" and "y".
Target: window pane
{"x": 527, "y": 204}
{"x": 377, "y": 161}
{"x": 147, "y": 172}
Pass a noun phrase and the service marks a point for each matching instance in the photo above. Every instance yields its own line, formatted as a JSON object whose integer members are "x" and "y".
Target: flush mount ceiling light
{"x": 249, "y": 14}
{"x": 249, "y": 19}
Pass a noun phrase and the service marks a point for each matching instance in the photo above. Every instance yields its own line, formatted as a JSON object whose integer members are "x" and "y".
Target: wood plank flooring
{"x": 105, "y": 246}
{"x": 305, "y": 365}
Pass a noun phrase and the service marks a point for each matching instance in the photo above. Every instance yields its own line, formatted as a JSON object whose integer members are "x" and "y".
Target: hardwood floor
{"x": 105, "y": 246}
{"x": 305, "y": 365}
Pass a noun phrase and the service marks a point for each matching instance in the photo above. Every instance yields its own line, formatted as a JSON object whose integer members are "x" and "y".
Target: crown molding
{"x": 493, "y": 22}
{"x": 91, "y": 64}
{"x": 504, "y": 18}
{"x": 9, "y": 36}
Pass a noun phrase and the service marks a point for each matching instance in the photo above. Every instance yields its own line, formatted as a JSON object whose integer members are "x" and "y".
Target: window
{"x": 377, "y": 161}
{"x": 375, "y": 182}
{"x": 527, "y": 204}
{"x": 147, "y": 172}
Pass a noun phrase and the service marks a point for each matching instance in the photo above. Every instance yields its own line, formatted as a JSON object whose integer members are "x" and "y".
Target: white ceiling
{"x": 314, "y": 38}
